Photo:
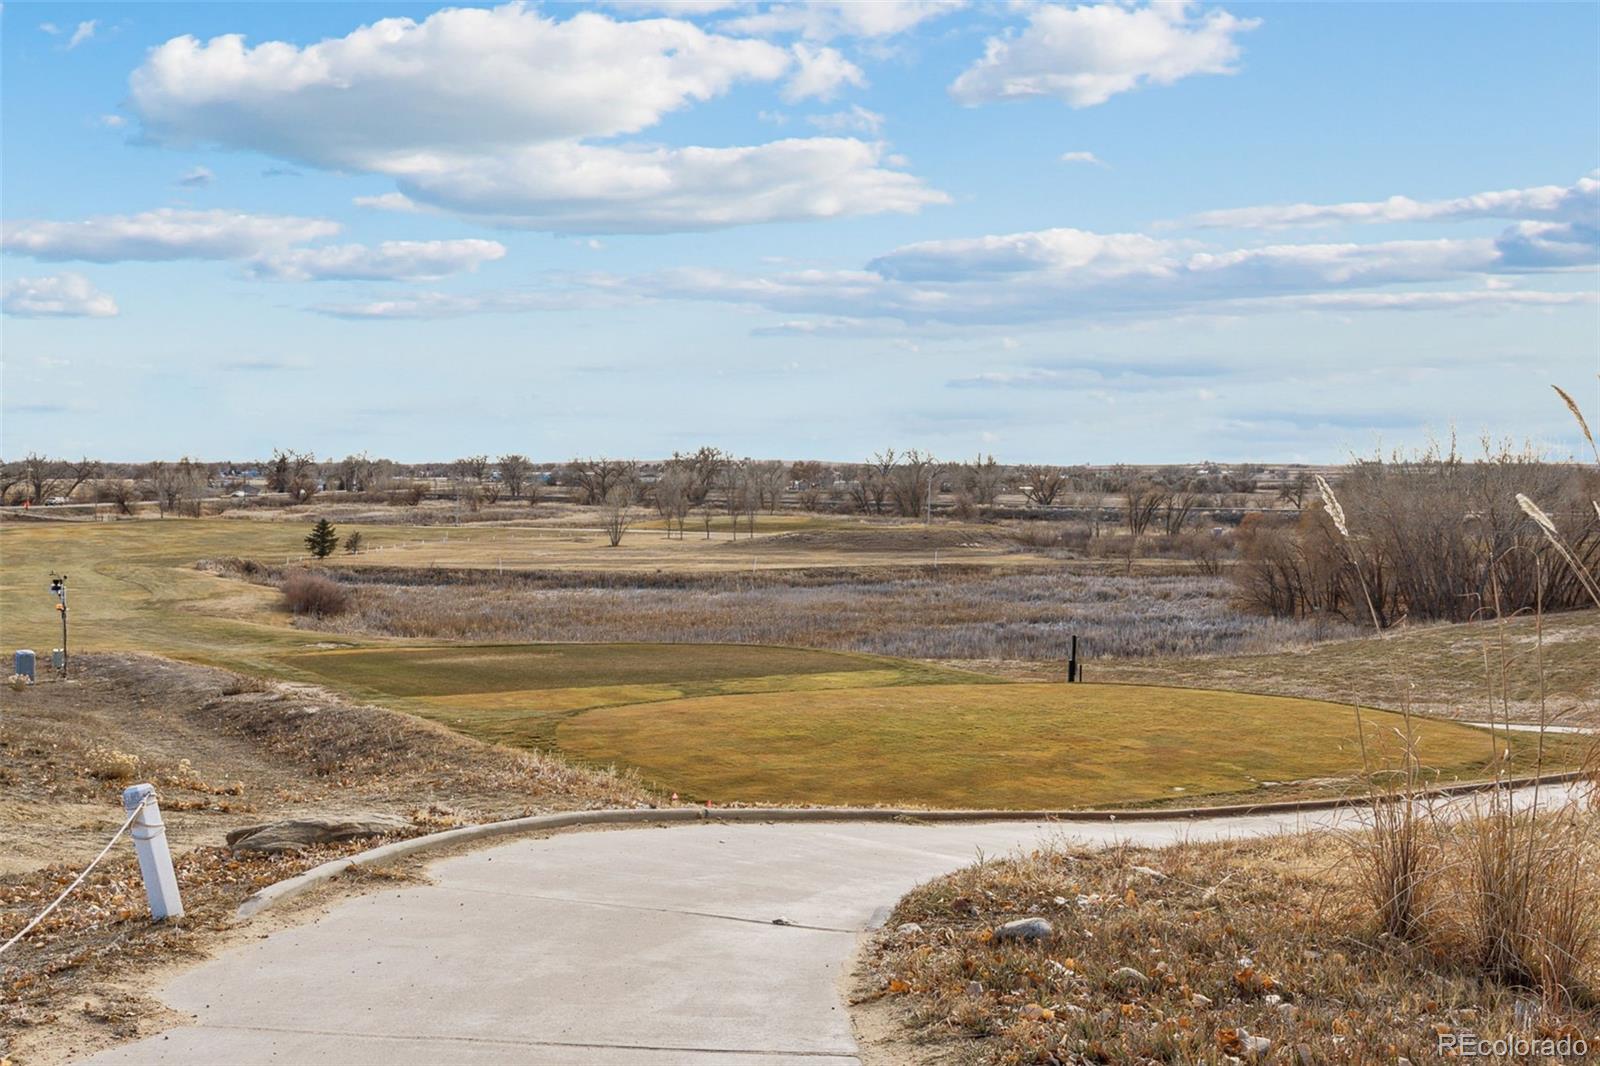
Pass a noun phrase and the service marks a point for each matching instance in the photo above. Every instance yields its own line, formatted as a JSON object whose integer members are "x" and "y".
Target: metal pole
{"x": 63, "y": 629}
{"x": 155, "y": 858}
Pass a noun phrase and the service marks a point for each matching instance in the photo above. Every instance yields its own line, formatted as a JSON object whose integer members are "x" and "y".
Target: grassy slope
{"x": 1005, "y": 746}
{"x": 1439, "y": 668}
{"x": 133, "y": 586}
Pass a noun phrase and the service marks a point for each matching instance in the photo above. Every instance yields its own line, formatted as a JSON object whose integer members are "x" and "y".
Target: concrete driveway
{"x": 638, "y": 947}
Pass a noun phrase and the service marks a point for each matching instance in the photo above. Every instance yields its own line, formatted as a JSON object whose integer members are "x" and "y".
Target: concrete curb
{"x": 318, "y": 875}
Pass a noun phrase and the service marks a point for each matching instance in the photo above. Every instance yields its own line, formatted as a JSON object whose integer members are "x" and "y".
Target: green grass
{"x": 471, "y": 669}
{"x": 1016, "y": 746}
{"x": 518, "y": 694}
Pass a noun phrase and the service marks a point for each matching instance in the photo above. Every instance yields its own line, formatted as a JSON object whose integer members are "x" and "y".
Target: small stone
{"x": 1272, "y": 999}
{"x": 1255, "y": 1047}
{"x": 909, "y": 929}
{"x": 1197, "y": 1000}
{"x": 1127, "y": 975}
{"x": 1402, "y": 1061}
{"x": 974, "y": 989}
{"x": 1037, "y": 1013}
{"x": 781, "y": 921}
{"x": 1026, "y": 929}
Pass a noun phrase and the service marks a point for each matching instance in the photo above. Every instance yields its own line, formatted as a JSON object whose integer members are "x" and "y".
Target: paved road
{"x": 638, "y": 947}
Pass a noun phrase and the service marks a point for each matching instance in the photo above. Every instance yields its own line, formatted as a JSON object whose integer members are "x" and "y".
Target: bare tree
{"x": 41, "y": 477}
{"x": 1179, "y": 506}
{"x": 772, "y": 480}
{"x": 1144, "y": 501}
{"x": 475, "y": 467}
{"x": 1296, "y": 490}
{"x": 514, "y": 471}
{"x": 121, "y": 493}
{"x": 11, "y": 475}
{"x": 290, "y": 470}
{"x": 810, "y": 479}
{"x": 1042, "y": 484}
{"x": 911, "y": 482}
{"x": 358, "y": 473}
{"x": 595, "y": 478}
{"x": 671, "y": 494}
{"x": 734, "y": 483}
{"x": 705, "y": 466}
{"x": 175, "y": 484}
{"x": 616, "y": 513}
{"x": 982, "y": 480}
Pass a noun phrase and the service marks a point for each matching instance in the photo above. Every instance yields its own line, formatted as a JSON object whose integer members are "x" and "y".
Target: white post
{"x": 155, "y": 858}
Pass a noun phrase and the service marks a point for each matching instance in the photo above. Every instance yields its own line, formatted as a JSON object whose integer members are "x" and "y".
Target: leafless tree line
{"x": 1433, "y": 536}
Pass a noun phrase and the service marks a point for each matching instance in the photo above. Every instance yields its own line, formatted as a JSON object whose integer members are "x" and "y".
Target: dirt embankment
{"x": 224, "y": 752}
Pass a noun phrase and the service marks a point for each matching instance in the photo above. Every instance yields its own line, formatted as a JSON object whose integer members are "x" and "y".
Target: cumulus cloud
{"x": 580, "y": 188}
{"x": 389, "y": 261}
{"x": 1086, "y": 55}
{"x": 1061, "y": 274}
{"x": 271, "y": 246}
{"x": 164, "y": 234}
{"x": 822, "y": 20}
{"x": 57, "y": 296}
{"x": 468, "y": 109}
{"x": 820, "y": 73}
{"x": 1578, "y": 203}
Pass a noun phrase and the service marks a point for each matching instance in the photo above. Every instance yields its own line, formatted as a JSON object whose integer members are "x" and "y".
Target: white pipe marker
{"x": 155, "y": 858}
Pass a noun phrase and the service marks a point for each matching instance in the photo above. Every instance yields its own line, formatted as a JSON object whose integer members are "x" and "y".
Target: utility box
{"x": 25, "y": 662}
{"x": 58, "y": 659}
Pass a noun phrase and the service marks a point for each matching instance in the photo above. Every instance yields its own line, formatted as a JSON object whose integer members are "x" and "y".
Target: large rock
{"x": 1026, "y": 929}
{"x": 297, "y": 834}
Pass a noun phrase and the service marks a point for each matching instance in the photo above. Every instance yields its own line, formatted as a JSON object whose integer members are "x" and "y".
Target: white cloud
{"x": 389, "y": 261}
{"x": 1062, "y": 274}
{"x": 820, "y": 73}
{"x": 822, "y": 20}
{"x": 164, "y": 234}
{"x": 1082, "y": 157}
{"x": 83, "y": 33}
{"x": 271, "y": 246}
{"x": 579, "y": 188}
{"x": 197, "y": 177}
{"x": 462, "y": 80}
{"x": 49, "y": 27}
{"x": 112, "y": 122}
{"x": 389, "y": 201}
{"x": 672, "y": 7}
{"x": 57, "y": 296}
{"x": 424, "y": 305}
{"x": 1086, "y": 55}
{"x": 856, "y": 120}
{"x": 470, "y": 109}
{"x": 1578, "y": 202}
{"x": 1486, "y": 299}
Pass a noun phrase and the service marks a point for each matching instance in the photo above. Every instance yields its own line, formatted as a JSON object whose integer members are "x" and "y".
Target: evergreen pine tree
{"x": 322, "y": 541}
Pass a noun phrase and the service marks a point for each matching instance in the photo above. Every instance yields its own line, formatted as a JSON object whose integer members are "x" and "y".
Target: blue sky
{"x": 1088, "y": 233}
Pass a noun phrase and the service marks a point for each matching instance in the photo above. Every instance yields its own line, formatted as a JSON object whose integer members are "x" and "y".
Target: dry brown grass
{"x": 1272, "y": 939}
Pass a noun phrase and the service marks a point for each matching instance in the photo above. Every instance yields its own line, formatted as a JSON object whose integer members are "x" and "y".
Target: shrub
{"x": 314, "y": 594}
{"x": 109, "y": 764}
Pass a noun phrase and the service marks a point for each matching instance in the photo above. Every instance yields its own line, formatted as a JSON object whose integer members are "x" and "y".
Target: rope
{"x": 68, "y": 891}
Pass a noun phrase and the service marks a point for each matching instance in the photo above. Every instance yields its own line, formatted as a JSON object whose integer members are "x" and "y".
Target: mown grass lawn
{"x": 1009, "y": 746}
